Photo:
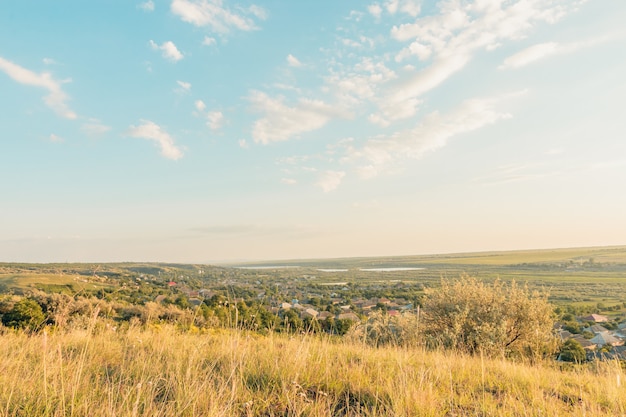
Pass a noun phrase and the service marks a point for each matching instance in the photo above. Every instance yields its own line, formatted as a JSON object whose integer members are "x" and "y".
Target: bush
{"x": 381, "y": 329}
{"x": 25, "y": 314}
{"x": 572, "y": 351}
{"x": 493, "y": 319}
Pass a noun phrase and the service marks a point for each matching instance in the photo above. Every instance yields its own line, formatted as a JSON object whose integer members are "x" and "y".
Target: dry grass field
{"x": 163, "y": 371}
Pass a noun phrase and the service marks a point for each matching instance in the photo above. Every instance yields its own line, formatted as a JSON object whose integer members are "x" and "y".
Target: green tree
{"x": 572, "y": 351}
{"x": 25, "y": 314}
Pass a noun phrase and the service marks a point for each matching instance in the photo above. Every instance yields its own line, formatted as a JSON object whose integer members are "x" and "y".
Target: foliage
{"x": 496, "y": 319}
{"x": 382, "y": 329}
{"x": 572, "y": 351}
{"x": 25, "y": 314}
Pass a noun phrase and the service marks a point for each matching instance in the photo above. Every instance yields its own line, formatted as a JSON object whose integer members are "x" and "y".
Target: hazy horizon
{"x": 199, "y": 131}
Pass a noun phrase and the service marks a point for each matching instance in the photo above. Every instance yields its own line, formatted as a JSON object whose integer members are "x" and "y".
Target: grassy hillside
{"x": 162, "y": 371}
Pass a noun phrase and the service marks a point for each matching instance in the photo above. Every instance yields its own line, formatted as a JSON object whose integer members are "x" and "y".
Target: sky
{"x": 224, "y": 130}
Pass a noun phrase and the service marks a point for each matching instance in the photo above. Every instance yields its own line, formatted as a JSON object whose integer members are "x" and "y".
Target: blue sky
{"x": 205, "y": 130}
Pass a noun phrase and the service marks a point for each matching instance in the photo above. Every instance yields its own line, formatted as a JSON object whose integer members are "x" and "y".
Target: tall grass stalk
{"x": 170, "y": 371}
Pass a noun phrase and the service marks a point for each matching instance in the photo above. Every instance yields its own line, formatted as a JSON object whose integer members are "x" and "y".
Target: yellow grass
{"x": 161, "y": 371}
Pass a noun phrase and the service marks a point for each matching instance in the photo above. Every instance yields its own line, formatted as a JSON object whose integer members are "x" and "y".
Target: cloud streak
{"x": 545, "y": 50}
{"x": 381, "y": 153}
{"x": 151, "y": 131}
{"x": 56, "y": 98}
{"x": 216, "y": 16}
{"x": 282, "y": 122}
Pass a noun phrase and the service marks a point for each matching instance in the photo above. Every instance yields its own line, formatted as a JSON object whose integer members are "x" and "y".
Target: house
{"x": 309, "y": 313}
{"x": 596, "y": 328}
{"x": 586, "y": 344}
{"x": 565, "y": 334}
{"x": 348, "y": 316}
{"x": 597, "y": 318}
{"x": 605, "y": 338}
{"x": 324, "y": 315}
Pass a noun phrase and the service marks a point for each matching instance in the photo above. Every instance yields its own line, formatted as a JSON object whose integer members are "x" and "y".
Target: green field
{"x": 576, "y": 276}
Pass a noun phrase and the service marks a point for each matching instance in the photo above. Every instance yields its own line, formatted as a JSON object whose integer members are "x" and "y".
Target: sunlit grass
{"x": 161, "y": 371}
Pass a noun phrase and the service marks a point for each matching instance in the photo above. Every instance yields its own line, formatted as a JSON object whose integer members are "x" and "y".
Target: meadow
{"x": 97, "y": 370}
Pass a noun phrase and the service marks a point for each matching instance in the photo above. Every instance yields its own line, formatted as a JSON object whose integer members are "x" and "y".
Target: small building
{"x": 348, "y": 316}
{"x": 605, "y": 338}
{"x": 309, "y": 313}
{"x": 597, "y": 318}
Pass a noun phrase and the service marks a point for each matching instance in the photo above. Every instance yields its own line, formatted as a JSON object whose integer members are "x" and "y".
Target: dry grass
{"x": 161, "y": 371}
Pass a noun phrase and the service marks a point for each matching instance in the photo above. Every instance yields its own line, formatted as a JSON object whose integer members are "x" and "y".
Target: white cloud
{"x": 214, "y": 14}
{"x": 293, "y": 61}
{"x": 55, "y": 139}
{"x": 410, "y": 7}
{"x": 94, "y": 128}
{"x": 168, "y": 50}
{"x": 375, "y": 10}
{"x": 361, "y": 82}
{"x": 200, "y": 106}
{"x": 56, "y": 99}
{"x": 530, "y": 54}
{"x": 48, "y": 61}
{"x": 258, "y": 11}
{"x": 209, "y": 41}
{"x": 543, "y": 50}
{"x": 381, "y": 153}
{"x": 288, "y": 181}
{"x": 215, "y": 120}
{"x": 184, "y": 87}
{"x": 452, "y": 37}
{"x": 243, "y": 144}
{"x": 147, "y": 6}
{"x": 402, "y": 102}
{"x": 151, "y": 131}
{"x": 330, "y": 180}
{"x": 282, "y": 122}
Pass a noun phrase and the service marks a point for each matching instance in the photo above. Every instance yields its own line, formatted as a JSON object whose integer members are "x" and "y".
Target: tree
{"x": 572, "y": 351}
{"x": 25, "y": 314}
{"x": 493, "y": 319}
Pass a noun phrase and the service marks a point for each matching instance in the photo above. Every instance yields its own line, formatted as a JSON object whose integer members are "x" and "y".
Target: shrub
{"x": 494, "y": 319}
{"x": 572, "y": 351}
{"x": 25, "y": 314}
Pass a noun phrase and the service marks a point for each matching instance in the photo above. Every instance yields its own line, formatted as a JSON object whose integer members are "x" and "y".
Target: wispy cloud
{"x": 55, "y": 139}
{"x": 168, "y": 50}
{"x": 94, "y": 128}
{"x": 410, "y": 7}
{"x": 199, "y": 105}
{"x": 281, "y": 122}
{"x": 215, "y": 120}
{"x": 215, "y": 15}
{"x": 151, "y": 131}
{"x": 383, "y": 152}
{"x": 56, "y": 98}
{"x": 147, "y": 6}
{"x": 447, "y": 41}
{"x": 544, "y": 50}
{"x": 330, "y": 180}
{"x": 293, "y": 61}
{"x": 183, "y": 87}
{"x": 209, "y": 41}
